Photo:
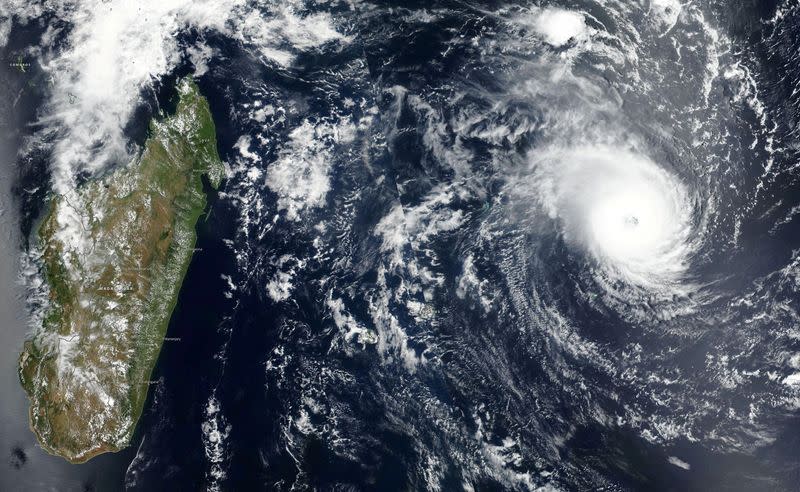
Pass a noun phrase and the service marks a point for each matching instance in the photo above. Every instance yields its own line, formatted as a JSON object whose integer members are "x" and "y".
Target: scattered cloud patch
{"x": 558, "y": 26}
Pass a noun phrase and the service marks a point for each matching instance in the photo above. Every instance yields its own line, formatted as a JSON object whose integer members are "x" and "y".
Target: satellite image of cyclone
{"x": 364, "y": 245}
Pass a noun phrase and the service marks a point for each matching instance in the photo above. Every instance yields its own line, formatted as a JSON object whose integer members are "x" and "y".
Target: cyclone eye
{"x": 631, "y": 221}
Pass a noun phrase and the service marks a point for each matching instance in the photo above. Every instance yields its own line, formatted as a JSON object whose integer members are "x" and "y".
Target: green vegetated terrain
{"x": 114, "y": 254}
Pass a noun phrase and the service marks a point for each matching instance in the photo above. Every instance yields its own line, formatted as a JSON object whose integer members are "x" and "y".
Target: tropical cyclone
{"x": 114, "y": 254}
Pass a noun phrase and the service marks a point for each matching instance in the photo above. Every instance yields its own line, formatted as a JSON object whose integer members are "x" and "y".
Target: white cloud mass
{"x": 115, "y": 49}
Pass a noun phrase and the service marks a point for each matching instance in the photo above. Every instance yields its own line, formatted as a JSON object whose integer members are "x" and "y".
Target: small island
{"x": 114, "y": 254}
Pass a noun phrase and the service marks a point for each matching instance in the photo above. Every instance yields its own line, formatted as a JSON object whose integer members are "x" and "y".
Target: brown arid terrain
{"x": 114, "y": 254}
